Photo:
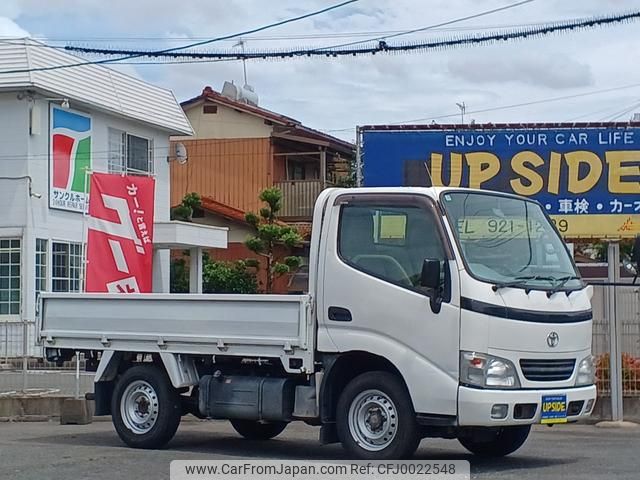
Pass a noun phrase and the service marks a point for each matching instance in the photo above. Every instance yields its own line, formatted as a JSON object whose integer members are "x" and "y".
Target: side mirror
{"x": 430, "y": 275}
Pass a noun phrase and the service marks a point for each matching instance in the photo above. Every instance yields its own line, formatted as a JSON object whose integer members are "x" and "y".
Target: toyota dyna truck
{"x": 431, "y": 312}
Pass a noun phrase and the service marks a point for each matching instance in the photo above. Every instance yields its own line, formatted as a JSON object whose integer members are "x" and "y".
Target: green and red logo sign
{"x": 70, "y": 159}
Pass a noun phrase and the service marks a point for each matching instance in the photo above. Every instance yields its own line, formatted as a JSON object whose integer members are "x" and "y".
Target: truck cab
{"x": 471, "y": 295}
{"x": 432, "y": 312}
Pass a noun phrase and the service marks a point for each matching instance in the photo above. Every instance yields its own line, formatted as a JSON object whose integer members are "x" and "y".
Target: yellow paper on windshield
{"x": 393, "y": 227}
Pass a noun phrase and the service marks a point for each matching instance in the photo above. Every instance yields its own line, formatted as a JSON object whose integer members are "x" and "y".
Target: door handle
{"x": 339, "y": 314}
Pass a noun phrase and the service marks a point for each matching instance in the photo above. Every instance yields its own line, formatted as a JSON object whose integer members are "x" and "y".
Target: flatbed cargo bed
{"x": 274, "y": 326}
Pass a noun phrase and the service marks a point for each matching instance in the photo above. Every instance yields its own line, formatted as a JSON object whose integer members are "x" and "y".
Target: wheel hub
{"x": 139, "y": 407}
{"x": 142, "y": 406}
{"x": 373, "y": 420}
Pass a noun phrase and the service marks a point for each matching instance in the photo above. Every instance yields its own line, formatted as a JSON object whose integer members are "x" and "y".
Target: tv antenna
{"x": 241, "y": 43}
{"x": 463, "y": 109}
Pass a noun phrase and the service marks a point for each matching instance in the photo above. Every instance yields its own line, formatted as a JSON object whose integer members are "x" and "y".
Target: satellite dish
{"x": 181, "y": 153}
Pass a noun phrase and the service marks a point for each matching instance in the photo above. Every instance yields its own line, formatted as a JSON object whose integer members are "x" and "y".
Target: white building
{"x": 108, "y": 122}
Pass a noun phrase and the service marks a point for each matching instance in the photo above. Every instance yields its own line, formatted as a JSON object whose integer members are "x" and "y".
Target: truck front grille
{"x": 547, "y": 370}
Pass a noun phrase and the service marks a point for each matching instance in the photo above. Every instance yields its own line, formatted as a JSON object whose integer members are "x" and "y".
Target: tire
{"x": 506, "y": 440}
{"x": 375, "y": 419}
{"x": 254, "y": 430}
{"x": 145, "y": 408}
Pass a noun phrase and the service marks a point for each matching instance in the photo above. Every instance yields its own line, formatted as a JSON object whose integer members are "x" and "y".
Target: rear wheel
{"x": 254, "y": 430}
{"x": 375, "y": 418}
{"x": 495, "y": 442}
{"x": 145, "y": 407}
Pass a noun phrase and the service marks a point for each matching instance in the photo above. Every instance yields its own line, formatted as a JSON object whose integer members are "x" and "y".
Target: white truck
{"x": 432, "y": 312}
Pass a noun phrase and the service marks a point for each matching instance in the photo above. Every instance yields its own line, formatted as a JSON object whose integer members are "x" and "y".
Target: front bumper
{"x": 474, "y": 405}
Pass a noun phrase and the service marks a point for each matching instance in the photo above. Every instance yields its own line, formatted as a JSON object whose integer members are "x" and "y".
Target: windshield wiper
{"x": 521, "y": 282}
{"x": 561, "y": 282}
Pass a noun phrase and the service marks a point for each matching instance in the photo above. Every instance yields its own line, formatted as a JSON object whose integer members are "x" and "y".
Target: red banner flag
{"x": 120, "y": 241}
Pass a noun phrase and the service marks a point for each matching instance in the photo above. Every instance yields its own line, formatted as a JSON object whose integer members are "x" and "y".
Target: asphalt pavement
{"x": 43, "y": 451}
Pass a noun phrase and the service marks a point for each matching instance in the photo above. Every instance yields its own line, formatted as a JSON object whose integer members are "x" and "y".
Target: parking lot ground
{"x": 42, "y": 451}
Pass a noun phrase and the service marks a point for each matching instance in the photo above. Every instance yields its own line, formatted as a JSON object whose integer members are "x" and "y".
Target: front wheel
{"x": 375, "y": 418}
{"x": 497, "y": 442}
{"x": 145, "y": 407}
{"x": 254, "y": 430}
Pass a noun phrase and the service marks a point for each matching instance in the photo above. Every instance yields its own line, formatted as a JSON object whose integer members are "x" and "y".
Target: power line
{"x": 380, "y": 35}
{"x": 184, "y": 47}
{"x": 504, "y": 107}
{"x": 422, "y": 29}
{"x": 383, "y": 47}
{"x": 293, "y": 36}
{"x": 626, "y": 110}
{"x": 608, "y": 108}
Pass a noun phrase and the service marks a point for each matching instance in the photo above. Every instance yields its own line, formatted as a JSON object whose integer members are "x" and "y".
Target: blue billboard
{"x": 575, "y": 173}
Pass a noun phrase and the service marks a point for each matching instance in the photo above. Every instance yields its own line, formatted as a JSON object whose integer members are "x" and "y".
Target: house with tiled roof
{"x": 240, "y": 148}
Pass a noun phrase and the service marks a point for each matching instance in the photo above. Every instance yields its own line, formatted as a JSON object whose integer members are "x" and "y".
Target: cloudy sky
{"x": 338, "y": 94}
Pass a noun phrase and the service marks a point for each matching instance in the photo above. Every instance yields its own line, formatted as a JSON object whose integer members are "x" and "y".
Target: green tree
{"x": 270, "y": 234}
{"x": 179, "y": 276}
{"x": 600, "y": 249}
{"x": 189, "y": 204}
{"x": 349, "y": 180}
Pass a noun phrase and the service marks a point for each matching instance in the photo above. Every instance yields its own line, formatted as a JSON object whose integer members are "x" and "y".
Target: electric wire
{"x": 382, "y": 47}
{"x": 183, "y": 47}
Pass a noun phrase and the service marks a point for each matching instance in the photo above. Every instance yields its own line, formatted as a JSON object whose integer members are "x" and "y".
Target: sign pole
{"x": 615, "y": 357}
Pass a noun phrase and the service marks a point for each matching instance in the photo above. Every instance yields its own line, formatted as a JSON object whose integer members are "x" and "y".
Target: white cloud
{"x": 529, "y": 67}
{"x": 344, "y": 92}
{"x": 9, "y": 28}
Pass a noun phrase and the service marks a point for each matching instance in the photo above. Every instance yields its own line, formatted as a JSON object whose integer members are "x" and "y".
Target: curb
{"x": 56, "y": 419}
{"x": 26, "y": 418}
{"x": 617, "y": 424}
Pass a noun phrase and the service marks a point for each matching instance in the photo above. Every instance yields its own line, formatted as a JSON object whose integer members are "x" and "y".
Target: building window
{"x": 9, "y": 277}
{"x": 129, "y": 153}
{"x": 303, "y": 171}
{"x": 41, "y": 266}
{"x": 297, "y": 171}
{"x": 66, "y": 261}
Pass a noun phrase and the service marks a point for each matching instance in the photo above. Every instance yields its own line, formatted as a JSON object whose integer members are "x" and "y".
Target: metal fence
{"x": 24, "y": 371}
{"x": 627, "y": 317}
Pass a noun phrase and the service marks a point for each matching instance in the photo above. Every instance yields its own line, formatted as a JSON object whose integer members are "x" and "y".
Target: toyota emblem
{"x": 553, "y": 339}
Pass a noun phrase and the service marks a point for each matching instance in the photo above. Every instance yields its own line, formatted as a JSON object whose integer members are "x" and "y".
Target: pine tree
{"x": 269, "y": 234}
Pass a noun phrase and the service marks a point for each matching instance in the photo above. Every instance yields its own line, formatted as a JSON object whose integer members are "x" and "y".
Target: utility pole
{"x": 463, "y": 109}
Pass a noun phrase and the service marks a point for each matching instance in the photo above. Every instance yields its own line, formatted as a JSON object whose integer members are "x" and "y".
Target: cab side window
{"x": 389, "y": 242}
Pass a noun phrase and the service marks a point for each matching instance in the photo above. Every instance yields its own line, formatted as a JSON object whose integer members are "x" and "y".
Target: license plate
{"x": 554, "y": 409}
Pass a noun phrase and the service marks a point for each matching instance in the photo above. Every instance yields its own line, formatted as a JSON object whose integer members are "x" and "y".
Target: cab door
{"x": 372, "y": 299}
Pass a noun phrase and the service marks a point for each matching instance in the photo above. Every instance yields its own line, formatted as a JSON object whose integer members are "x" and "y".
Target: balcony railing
{"x": 298, "y": 197}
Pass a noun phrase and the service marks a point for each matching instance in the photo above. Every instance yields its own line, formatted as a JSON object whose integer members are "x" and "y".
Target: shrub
{"x": 217, "y": 276}
{"x": 228, "y": 277}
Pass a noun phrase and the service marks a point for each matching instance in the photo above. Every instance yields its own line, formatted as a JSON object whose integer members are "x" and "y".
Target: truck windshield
{"x": 509, "y": 242}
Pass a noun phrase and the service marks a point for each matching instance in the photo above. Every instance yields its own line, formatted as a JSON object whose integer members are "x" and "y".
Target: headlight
{"x": 586, "y": 372}
{"x": 486, "y": 371}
